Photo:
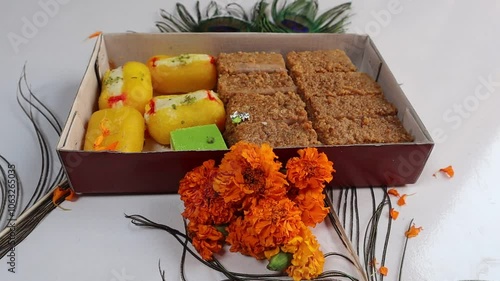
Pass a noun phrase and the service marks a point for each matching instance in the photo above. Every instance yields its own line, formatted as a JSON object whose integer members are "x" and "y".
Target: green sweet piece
{"x": 206, "y": 137}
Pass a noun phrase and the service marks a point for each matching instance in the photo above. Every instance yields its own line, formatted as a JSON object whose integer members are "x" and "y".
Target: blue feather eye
{"x": 295, "y": 26}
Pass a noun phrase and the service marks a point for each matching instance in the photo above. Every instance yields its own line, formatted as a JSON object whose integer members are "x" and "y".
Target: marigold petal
{"x": 413, "y": 231}
{"x": 383, "y": 270}
{"x": 394, "y": 214}
{"x": 393, "y": 192}
{"x": 448, "y": 171}
{"x": 402, "y": 200}
{"x": 95, "y": 34}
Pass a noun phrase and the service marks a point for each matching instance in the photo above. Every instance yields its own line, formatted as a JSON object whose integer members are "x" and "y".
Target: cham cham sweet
{"x": 127, "y": 85}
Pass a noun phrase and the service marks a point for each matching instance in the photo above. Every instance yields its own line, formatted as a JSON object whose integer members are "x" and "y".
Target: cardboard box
{"x": 160, "y": 171}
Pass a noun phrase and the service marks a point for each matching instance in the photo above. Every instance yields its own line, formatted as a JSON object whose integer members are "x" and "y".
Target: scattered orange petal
{"x": 394, "y": 214}
{"x": 413, "y": 231}
{"x": 383, "y": 270}
{"x": 71, "y": 196}
{"x": 60, "y": 193}
{"x": 373, "y": 262}
{"x": 402, "y": 200}
{"x": 448, "y": 171}
{"x": 393, "y": 192}
{"x": 95, "y": 34}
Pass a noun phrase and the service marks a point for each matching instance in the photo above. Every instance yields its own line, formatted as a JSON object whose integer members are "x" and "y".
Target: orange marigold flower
{"x": 265, "y": 226}
{"x": 402, "y": 200}
{"x": 308, "y": 260}
{"x": 201, "y": 203}
{"x": 248, "y": 173}
{"x": 383, "y": 270}
{"x": 393, "y": 192}
{"x": 244, "y": 239}
{"x": 413, "y": 231}
{"x": 312, "y": 205}
{"x": 394, "y": 214}
{"x": 206, "y": 239}
{"x": 310, "y": 170}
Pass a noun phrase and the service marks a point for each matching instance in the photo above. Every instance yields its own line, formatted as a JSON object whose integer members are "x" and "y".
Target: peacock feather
{"x": 300, "y": 16}
{"x": 231, "y": 18}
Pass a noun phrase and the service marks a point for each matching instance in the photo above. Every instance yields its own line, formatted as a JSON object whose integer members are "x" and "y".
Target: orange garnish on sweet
{"x": 104, "y": 130}
{"x": 393, "y": 192}
{"x": 100, "y": 139}
{"x": 383, "y": 270}
{"x": 112, "y": 146}
{"x": 394, "y": 214}
{"x": 413, "y": 231}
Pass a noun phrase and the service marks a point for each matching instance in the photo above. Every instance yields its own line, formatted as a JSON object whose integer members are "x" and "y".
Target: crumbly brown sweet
{"x": 349, "y": 106}
{"x": 244, "y": 62}
{"x": 285, "y": 107}
{"x": 336, "y": 84}
{"x": 275, "y": 133}
{"x": 386, "y": 129}
{"x": 352, "y": 83}
{"x": 320, "y": 61}
{"x": 343, "y": 106}
{"x": 255, "y": 82}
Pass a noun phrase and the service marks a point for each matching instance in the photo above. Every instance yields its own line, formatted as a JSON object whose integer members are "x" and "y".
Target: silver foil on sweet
{"x": 238, "y": 117}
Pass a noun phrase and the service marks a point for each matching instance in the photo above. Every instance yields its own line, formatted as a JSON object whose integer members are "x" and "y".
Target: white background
{"x": 440, "y": 51}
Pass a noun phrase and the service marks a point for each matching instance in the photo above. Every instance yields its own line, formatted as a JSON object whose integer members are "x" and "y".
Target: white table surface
{"x": 441, "y": 51}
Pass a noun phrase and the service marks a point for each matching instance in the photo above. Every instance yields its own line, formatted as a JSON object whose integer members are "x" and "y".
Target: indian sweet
{"x": 204, "y": 137}
{"x": 183, "y": 73}
{"x": 170, "y": 112}
{"x": 115, "y": 129}
{"x": 127, "y": 85}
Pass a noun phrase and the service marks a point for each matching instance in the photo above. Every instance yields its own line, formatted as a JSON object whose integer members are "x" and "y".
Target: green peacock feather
{"x": 231, "y": 18}
{"x": 299, "y": 16}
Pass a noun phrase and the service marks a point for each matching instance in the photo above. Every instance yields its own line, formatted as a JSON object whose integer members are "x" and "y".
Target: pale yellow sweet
{"x": 170, "y": 112}
{"x": 115, "y": 129}
{"x": 182, "y": 74}
{"x": 129, "y": 85}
